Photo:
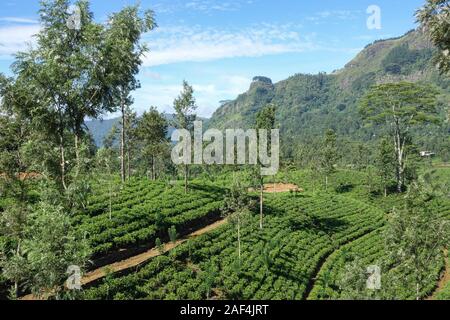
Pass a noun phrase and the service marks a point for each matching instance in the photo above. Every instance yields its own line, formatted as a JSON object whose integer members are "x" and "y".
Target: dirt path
{"x": 444, "y": 279}
{"x": 279, "y": 188}
{"x": 139, "y": 259}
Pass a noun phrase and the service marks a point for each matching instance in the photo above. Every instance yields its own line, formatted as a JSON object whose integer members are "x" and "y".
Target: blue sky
{"x": 220, "y": 45}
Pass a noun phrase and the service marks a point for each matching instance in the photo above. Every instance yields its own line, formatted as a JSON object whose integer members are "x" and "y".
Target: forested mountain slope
{"x": 310, "y": 104}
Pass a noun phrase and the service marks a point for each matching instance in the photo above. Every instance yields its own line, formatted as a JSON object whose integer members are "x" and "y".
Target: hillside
{"x": 100, "y": 128}
{"x": 310, "y": 104}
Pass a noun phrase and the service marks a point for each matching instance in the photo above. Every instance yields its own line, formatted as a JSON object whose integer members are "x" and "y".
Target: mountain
{"x": 307, "y": 104}
{"x": 100, "y": 128}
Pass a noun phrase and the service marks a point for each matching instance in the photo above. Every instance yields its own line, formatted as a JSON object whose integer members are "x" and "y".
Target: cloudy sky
{"x": 220, "y": 45}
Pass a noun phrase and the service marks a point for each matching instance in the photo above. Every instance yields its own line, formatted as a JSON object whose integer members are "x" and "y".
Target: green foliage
{"x": 445, "y": 293}
{"x": 292, "y": 252}
{"x": 173, "y": 234}
{"x": 410, "y": 103}
{"x": 329, "y": 152}
{"x": 434, "y": 17}
{"x": 400, "y": 107}
{"x": 185, "y": 107}
{"x": 309, "y": 105}
{"x": 152, "y": 131}
{"x": 159, "y": 245}
{"x": 265, "y": 119}
{"x": 408, "y": 250}
{"x": 47, "y": 248}
{"x": 402, "y": 59}
{"x": 385, "y": 163}
{"x": 141, "y": 210}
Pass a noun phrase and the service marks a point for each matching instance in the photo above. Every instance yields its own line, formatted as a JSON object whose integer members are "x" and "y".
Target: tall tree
{"x": 385, "y": 163}
{"x": 185, "y": 107}
{"x": 237, "y": 208}
{"x": 123, "y": 49}
{"x": 265, "y": 119}
{"x": 329, "y": 155}
{"x": 64, "y": 75}
{"x": 361, "y": 156}
{"x": 130, "y": 130}
{"x": 400, "y": 106}
{"x": 152, "y": 130}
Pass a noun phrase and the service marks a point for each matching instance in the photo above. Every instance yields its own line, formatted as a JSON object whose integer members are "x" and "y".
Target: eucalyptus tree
{"x": 131, "y": 137}
{"x": 152, "y": 130}
{"x": 185, "y": 107}
{"x": 400, "y": 106}
{"x": 329, "y": 155}
{"x": 123, "y": 48}
{"x": 265, "y": 120}
{"x": 64, "y": 75}
{"x": 385, "y": 163}
{"x": 237, "y": 208}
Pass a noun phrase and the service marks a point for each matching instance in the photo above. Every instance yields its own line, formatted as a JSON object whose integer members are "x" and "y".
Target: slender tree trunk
{"x": 78, "y": 139}
{"x": 400, "y": 168}
{"x": 385, "y": 191}
{"x": 110, "y": 201}
{"x": 186, "y": 179}
{"x": 401, "y": 180}
{"x": 261, "y": 199}
{"x": 128, "y": 162}
{"x": 239, "y": 239}
{"x": 149, "y": 171}
{"x": 62, "y": 160}
{"x": 399, "y": 145}
{"x": 417, "y": 292}
{"x": 77, "y": 152}
{"x": 326, "y": 182}
{"x": 153, "y": 169}
{"x": 16, "y": 283}
{"x": 122, "y": 144}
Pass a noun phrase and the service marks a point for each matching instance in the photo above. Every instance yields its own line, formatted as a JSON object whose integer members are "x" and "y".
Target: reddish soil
{"x": 281, "y": 187}
{"x": 25, "y": 175}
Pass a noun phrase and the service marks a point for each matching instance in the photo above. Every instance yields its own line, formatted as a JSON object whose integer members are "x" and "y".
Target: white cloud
{"x": 335, "y": 14}
{"x": 18, "y": 20}
{"x": 152, "y": 75}
{"x": 208, "y": 5}
{"x": 204, "y": 6}
{"x": 187, "y": 44}
{"x": 16, "y": 38}
{"x": 207, "y": 95}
